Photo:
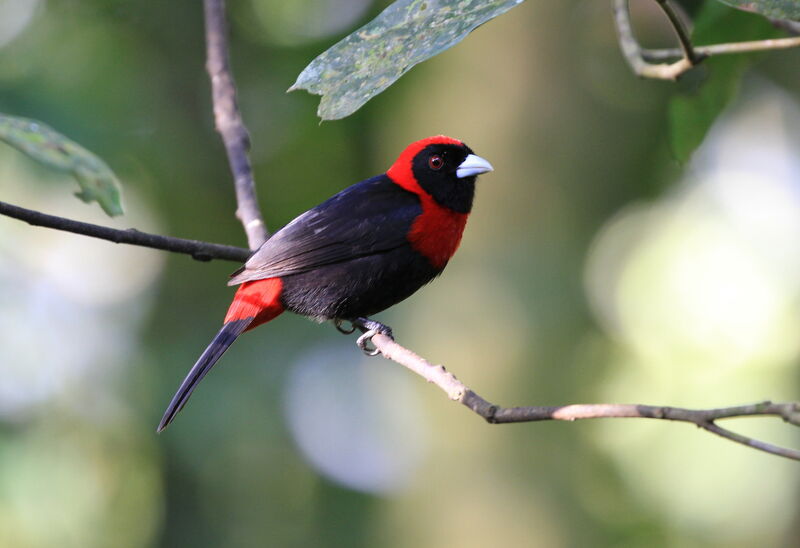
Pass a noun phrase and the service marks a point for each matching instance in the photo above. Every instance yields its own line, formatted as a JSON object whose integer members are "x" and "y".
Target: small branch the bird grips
{"x": 494, "y": 414}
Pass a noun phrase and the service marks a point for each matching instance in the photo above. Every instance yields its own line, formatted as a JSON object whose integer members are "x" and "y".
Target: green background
{"x": 594, "y": 268}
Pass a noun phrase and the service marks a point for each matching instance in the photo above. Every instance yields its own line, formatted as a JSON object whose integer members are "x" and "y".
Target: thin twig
{"x": 646, "y": 62}
{"x": 633, "y": 51}
{"x": 680, "y": 31}
{"x": 229, "y": 123}
{"x": 202, "y": 251}
{"x": 723, "y": 49}
{"x": 494, "y": 414}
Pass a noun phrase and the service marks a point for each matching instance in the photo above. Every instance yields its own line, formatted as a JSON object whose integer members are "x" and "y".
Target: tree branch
{"x": 633, "y": 51}
{"x": 234, "y": 135}
{"x": 494, "y": 414}
{"x": 725, "y": 49}
{"x": 437, "y": 374}
{"x": 229, "y": 123}
{"x": 642, "y": 60}
{"x": 202, "y": 251}
{"x": 687, "y": 49}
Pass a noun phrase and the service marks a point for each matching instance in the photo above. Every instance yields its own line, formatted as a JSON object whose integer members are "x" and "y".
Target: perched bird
{"x": 363, "y": 250}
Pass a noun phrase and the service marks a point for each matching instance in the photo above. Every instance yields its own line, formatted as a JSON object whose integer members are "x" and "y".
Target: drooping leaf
{"x": 692, "y": 112}
{"x": 45, "y": 145}
{"x": 408, "y": 32}
{"x": 780, "y": 9}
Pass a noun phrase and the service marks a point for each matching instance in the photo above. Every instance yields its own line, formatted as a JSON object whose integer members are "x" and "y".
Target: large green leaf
{"x": 780, "y": 9}
{"x": 406, "y": 33}
{"x": 692, "y": 112}
{"x": 47, "y": 146}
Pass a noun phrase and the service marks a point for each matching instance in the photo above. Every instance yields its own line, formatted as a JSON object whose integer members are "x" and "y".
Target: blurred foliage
{"x": 52, "y": 149}
{"x": 709, "y": 88}
{"x": 593, "y": 269}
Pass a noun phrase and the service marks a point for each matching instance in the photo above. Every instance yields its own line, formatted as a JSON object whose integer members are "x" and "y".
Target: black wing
{"x": 372, "y": 216}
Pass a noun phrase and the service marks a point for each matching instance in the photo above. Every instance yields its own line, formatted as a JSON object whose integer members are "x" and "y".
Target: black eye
{"x": 435, "y": 162}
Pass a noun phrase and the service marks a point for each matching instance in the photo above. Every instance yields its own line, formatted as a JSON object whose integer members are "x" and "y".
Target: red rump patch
{"x": 437, "y": 232}
{"x": 259, "y": 299}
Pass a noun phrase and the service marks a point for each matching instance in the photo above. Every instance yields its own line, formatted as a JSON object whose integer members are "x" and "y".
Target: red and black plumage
{"x": 361, "y": 251}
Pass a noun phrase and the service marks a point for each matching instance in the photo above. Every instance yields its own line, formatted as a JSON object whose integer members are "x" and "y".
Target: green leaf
{"x": 693, "y": 112}
{"x": 780, "y": 9}
{"x": 406, "y": 33}
{"x": 47, "y": 146}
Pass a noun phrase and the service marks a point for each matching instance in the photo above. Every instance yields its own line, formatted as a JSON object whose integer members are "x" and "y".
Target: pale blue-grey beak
{"x": 473, "y": 165}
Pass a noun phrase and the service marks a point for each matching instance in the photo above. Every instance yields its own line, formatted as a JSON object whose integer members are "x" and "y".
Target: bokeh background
{"x": 594, "y": 268}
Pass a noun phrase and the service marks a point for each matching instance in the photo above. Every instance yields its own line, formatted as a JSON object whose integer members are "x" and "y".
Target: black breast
{"x": 359, "y": 287}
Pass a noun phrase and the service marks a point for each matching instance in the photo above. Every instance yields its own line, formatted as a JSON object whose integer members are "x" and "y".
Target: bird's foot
{"x": 370, "y": 328}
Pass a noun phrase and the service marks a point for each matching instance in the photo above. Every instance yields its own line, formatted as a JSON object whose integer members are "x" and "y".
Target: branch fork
{"x": 641, "y": 60}
{"x": 634, "y": 53}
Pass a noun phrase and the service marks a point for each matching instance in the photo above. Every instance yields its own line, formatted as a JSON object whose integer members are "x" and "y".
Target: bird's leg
{"x": 370, "y": 328}
{"x": 337, "y": 323}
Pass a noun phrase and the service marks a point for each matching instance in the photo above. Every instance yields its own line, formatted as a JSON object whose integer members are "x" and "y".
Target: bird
{"x": 356, "y": 254}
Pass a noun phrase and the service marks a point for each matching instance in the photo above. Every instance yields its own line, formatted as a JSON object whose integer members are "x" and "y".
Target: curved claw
{"x": 342, "y": 330}
{"x": 364, "y": 340}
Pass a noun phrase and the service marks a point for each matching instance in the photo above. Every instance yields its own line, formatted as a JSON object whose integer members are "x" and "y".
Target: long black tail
{"x": 229, "y": 333}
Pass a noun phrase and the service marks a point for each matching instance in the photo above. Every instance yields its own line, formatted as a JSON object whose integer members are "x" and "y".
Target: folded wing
{"x": 373, "y": 216}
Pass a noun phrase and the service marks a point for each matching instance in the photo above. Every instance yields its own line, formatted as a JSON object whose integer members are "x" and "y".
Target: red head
{"x": 441, "y": 167}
